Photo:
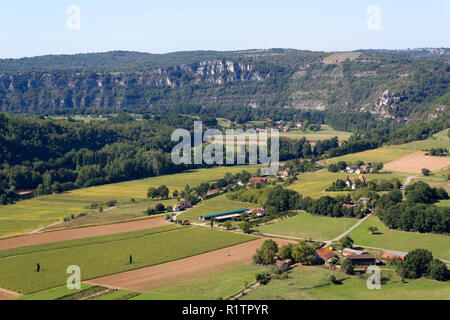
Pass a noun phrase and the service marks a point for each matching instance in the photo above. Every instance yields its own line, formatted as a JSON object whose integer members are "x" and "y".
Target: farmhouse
{"x": 281, "y": 262}
{"x": 212, "y": 192}
{"x": 260, "y": 180}
{"x": 325, "y": 254}
{"x": 259, "y": 212}
{"x": 389, "y": 254}
{"x": 364, "y": 259}
{"x": 223, "y": 215}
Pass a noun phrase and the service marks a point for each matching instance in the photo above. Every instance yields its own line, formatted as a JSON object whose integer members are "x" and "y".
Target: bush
{"x": 333, "y": 279}
{"x": 263, "y": 278}
{"x": 438, "y": 270}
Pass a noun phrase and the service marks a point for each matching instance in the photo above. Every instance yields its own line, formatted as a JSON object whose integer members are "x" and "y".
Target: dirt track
{"x": 78, "y": 233}
{"x": 414, "y": 163}
{"x": 8, "y": 295}
{"x": 184, "y": 269}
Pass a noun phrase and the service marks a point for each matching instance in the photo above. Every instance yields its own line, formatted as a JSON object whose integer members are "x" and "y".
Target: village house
{"x": 284, "y": 173}
{"x": 183, "y": 205}
{"x": 325, "y": 255}
{"x": 260, "y": 180}
{"x": 282, "y": 263}
{"x": 352, "y": 168}
{"x": 212, "y": 192}
{"x": 259, "y": 212}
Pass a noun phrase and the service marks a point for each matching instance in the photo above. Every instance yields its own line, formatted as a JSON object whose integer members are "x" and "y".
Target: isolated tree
{"x": 38, "y": 267}
{"x": 372, "y": 229}
{"x": 426, "y": 172}
{"x": 175, "y": 193}
{"x": 347, "y": 266}
{"x": 346, "y": 242}
{"x": 131, "y": 259}
{"x": 211, "y": 223}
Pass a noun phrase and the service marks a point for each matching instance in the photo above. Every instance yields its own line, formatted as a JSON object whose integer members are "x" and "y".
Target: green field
{"x": 53, "y": 293}
{"x": 307, "y": 226}
{"x": 214, "y": 205}
{"x": 116, "y": 295}
{"x": 106, "y": 255}
{"x": 291, "y": 288}
{"x": 301, "y": 279}
{"x": 384, "y": 154}
{"x": 393, "y": 289}
{"x": 439, "y": 140}
{"x": 211, "y": 287}
{"x": 443, "y": 203}
{"x": 438, "y": 244}
{"x": 28, "y": 215}
{"x": 313, "y": 184}
{"x": 121, "y": 213}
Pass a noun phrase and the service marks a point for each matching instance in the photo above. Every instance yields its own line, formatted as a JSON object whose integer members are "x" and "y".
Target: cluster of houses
{"x": 285, "y": 173}
{"x": 281, "y": 125}
{"x": 181, "y": 206}
{"x": 353, "y": 168}
{"x": 357, "y": 257}
{"x": 351, "y": 181}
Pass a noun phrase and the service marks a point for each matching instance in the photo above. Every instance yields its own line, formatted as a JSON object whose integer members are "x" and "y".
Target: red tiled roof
{"x": 325, "y": 253}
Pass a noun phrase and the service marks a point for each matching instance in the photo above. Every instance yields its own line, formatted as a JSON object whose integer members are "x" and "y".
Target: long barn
{"x": 223, "y": 215}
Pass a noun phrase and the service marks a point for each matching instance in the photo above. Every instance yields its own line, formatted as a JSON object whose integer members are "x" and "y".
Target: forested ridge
{"x": 411, "y": 86}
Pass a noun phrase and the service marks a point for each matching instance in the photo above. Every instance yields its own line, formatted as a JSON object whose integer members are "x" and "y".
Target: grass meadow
{"x": 308, "y": 226}
{"x": 405, "y": 241}
{"x": 106, "y": 255}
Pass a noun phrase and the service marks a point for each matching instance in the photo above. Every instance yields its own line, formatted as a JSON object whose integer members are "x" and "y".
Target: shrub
{"x": 263, "y": 278}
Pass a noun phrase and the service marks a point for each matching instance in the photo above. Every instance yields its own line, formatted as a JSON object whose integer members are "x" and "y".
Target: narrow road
{"x": 327, "y": 243}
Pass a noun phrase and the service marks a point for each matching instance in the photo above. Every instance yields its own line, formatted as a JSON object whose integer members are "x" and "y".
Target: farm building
{"x": 281, "y": 262}
{"x": 229, "y": 214}
{"x": 259, "y": 212}
{"x": 349, "y": 252}
{"x": 258, "y": 180}
{"x": 364, "y": 259}
{"x": 325, "y": 254}
{"x": 389, "y": 254}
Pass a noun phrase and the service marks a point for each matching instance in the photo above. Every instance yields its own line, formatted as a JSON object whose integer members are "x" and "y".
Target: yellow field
{"x": 25, "y": 216}
{"x": 384, "y": 154}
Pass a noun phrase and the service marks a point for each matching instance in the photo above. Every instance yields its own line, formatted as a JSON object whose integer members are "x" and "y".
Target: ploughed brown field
{"x": 416, "y": 161}
{"x": 8, "y": 295}
{"x": 184, "y": 269}
{"x": 79, "y": 233}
